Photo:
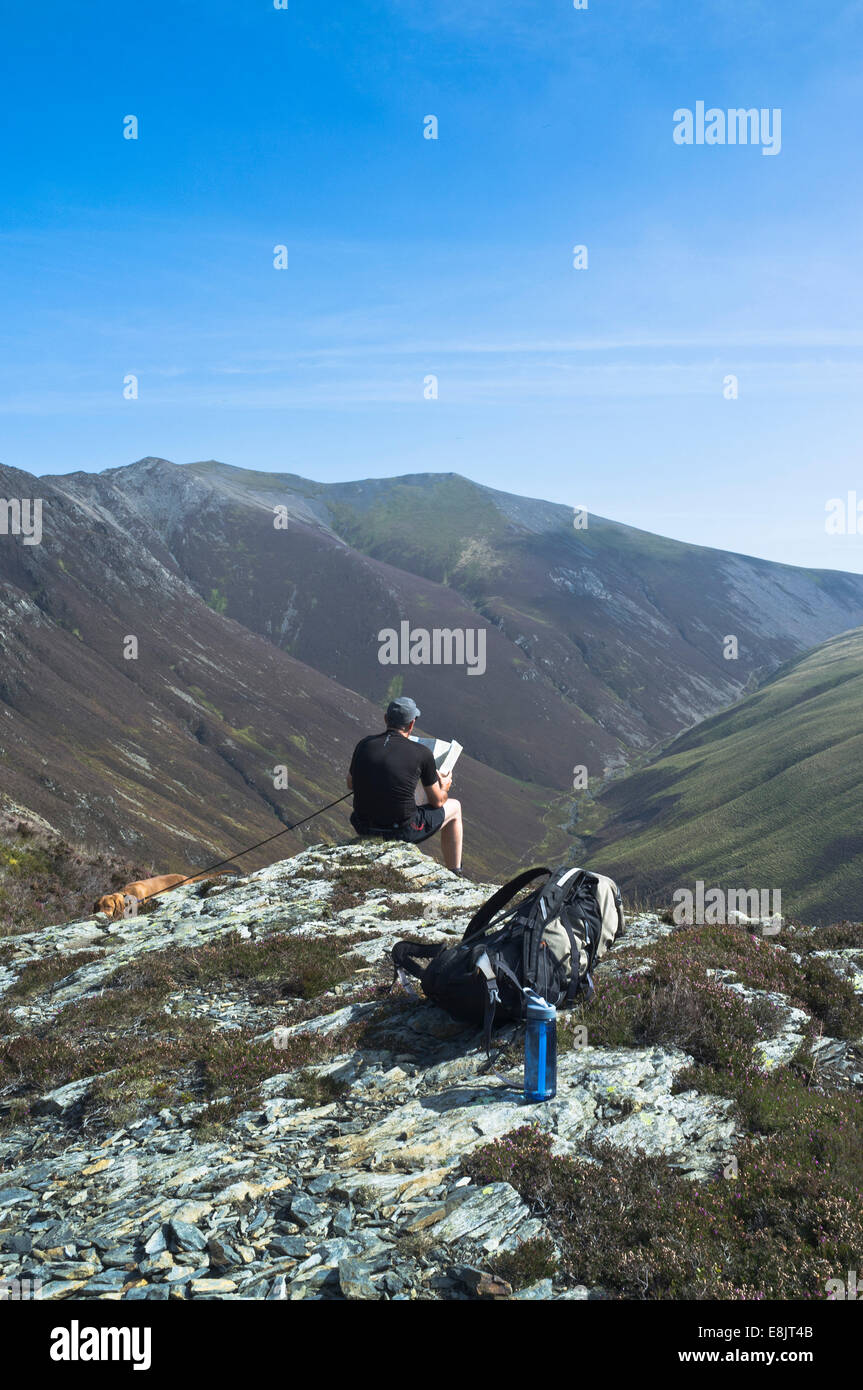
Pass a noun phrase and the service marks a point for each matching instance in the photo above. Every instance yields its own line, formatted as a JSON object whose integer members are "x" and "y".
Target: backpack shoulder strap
{"x": 483, "y": 916}
{"x": 488, "y": 972}
{"x": 405, "y": 955}
{"x": 561, "y": 883}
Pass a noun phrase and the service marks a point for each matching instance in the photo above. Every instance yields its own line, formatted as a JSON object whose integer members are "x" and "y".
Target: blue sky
{"x": 409, "y": 257}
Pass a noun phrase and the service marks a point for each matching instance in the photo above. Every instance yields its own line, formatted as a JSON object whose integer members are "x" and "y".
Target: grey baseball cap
{"x": 400, "y": 712}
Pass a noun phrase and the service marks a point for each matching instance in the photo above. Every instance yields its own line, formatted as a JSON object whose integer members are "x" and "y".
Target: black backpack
{"x": 548, "y": 943}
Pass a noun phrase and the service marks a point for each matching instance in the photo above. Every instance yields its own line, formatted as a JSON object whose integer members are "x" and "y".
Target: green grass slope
{"x": 766, "y": 795}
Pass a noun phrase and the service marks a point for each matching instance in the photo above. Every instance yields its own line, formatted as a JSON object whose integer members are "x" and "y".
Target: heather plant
{"x": 278, "y": 967}
{"x": 146, "y": 1057}
{"x": 531, "y": 1261}
{"x": 44, "y": 880}
{"x": 840, "y": 936}
{"x": 677, "y": 1001}
{"x": 412, "y": 909}
{"x": 763, "y": 965}
{"x": 629, "y": 1223}
{"x": 676, "y": 1004}
{"x": 354, "y": 886}
{"x": 158, "y": 1059}
{"x": 229, "y": 1078}
{"x": 40, "y": 974}
{"x": 830, "y": 999}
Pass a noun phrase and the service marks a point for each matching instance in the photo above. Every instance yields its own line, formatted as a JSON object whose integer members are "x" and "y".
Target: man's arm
{"x": 433, "y": 784}
{"x": 349, "y": 782}
{"x": 439, "y": 793}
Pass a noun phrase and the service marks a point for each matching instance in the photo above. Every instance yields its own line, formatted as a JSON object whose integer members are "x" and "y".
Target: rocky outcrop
{"x": 359, "y": 1194}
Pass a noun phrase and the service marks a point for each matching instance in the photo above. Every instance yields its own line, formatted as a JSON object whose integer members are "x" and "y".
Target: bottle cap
{"x": 537, "y": 1007}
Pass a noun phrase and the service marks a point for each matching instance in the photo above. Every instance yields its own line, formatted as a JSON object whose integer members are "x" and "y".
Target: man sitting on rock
{"x": 386, "y": 770}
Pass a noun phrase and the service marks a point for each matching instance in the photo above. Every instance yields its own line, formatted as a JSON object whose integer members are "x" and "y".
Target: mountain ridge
{"x": 602, "y": 624}
{"x": 262, "y": 647}
{"x": 171, "y": 755}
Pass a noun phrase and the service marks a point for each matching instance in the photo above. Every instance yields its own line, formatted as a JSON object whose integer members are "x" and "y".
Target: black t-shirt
{"x": 385, "y": 769}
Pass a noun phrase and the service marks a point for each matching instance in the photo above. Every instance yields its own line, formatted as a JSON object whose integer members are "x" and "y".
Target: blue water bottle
{"x": 540, "y": 1049}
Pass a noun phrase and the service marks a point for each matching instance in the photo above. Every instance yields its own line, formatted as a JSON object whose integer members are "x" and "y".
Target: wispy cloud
{"x": 535, "y": 382}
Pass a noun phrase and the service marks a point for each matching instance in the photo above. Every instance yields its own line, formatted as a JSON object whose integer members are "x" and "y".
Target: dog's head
{"x": 112, "y": 904}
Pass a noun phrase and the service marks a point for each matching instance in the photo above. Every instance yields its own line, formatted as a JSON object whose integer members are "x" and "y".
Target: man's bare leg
{"x": 451, "y": 834}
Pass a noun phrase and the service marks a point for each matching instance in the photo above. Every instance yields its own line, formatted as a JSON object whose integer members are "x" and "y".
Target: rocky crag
{"x": 221, "y": 1098}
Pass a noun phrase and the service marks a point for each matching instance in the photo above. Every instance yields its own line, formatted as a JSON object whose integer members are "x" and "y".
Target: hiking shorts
{"x": 425, "y": 822}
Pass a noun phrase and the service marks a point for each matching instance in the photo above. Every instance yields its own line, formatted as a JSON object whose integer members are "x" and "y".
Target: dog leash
{"x": 202, "y": 873}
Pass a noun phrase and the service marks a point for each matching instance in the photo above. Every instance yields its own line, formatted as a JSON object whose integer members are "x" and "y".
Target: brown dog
{"x": 114, "y": 904}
